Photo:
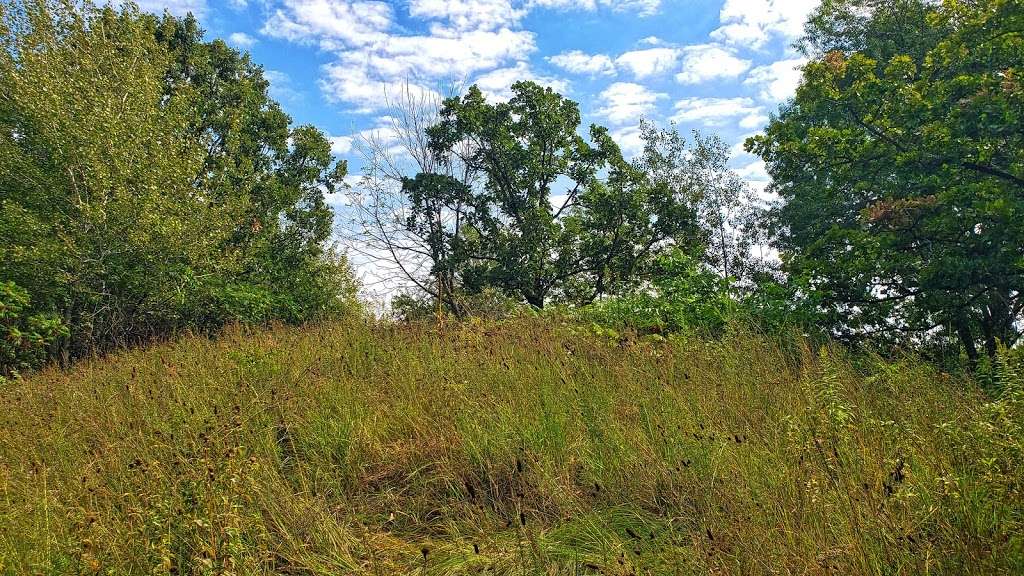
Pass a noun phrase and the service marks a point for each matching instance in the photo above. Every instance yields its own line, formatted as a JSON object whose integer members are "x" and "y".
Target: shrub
{"x": 25, "y": 339}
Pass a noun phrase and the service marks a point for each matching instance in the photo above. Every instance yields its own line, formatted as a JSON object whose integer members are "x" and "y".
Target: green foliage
{"x": 25, "y": 340}
{"x": 506, "y": 234}
{"x": 147, "y": 183}
{"x": 900, "y": 167}
{"x": 683, "y": 297}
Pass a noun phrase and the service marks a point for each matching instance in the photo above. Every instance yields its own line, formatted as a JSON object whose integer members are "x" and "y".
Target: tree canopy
{"x": 148, "y": 183}
{"x": 900, "y": 167}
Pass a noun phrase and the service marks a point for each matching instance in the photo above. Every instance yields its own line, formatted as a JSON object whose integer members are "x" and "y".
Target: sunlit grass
{"x": 525, "y": 447}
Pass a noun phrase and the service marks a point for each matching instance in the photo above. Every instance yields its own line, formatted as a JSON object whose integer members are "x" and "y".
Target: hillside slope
{"x": 526, "y": 447}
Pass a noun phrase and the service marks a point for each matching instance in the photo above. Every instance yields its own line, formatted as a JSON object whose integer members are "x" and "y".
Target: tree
{"x": 273, "y": 174}
{"x": 521, "y": 236}
{"x": 24, "y": 339}
{"x": 900, "y": 164}
{"x": 408, "y": 235}
{"x": 147, "y": 183}
{"x": 723, "y": 207}
{"x": 522, "y": 147}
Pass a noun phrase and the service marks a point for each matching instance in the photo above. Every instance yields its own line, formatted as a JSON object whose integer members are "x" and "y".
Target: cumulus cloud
{"x": 579, "y": 62}
{"x": 777, "y": 81}
{"x": 374, "y": 52}
{"x": 648, "y": 62}
{"x": 340, "y": 145}
{"x": 624, "y": 102}
{"x": 753, "y": 23}
{"x": 638, "y": 7}
{"x": 753, "y": 120}
{"x": 716, "y": 111}
{"x": 629, "y": 139}
{"x": 242, "y": 40}
{"x": 332, "y": 24}
{"x": 356, "y": 86}
{"x": 705, "y": 62}
{"x": 754, "y": 171}
{"x": 468, "y": 14}
{"x": 497, "y": 84}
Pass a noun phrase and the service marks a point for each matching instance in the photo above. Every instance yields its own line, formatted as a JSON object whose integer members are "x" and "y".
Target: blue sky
{"x": 715, "y": 65}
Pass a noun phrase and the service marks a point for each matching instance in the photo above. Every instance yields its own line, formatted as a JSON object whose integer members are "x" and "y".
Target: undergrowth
{"x": 523, "y": 447}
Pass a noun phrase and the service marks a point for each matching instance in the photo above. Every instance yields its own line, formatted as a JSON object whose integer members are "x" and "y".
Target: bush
{"x": 683, "y": 297}
{"x": 25, "y": 339}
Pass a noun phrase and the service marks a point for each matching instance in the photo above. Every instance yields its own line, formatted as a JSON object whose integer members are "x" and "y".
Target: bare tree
{"x": 378, "y": 230}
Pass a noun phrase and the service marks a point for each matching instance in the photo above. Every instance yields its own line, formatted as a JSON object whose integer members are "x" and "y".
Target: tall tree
{"x": 148, "y": 185}
{"x": 554, "y": 216}
{"x": 254, "y": 159}
{"x": 523, "y": 147}
{"x": 900, "y": 164}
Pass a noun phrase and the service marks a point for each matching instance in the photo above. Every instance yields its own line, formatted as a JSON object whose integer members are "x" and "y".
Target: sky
{"x": 719, "y": 66}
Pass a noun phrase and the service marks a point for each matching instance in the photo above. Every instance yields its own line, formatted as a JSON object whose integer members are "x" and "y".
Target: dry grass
{"x": 526, "y": 447}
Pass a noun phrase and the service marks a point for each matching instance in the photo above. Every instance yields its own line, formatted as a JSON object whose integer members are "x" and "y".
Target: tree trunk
{"x": 963, "y": 331}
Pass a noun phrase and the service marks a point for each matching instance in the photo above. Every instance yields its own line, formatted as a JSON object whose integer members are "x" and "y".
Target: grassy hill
{"x": 525, "y": 447}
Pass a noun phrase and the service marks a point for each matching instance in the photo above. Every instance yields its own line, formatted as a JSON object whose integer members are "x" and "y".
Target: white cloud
{"x": 344, "y": 84}
{"x": 753, "y": 120}
{"x": 331, "y": 23}
{"x": 755, "y": 171}
{"x": 176, "y": 7}
{"x": 629, "y": 140}
{"x": 652, "y": 41}
{"x": 705, "y": 62}
{"x": 564, "y": 4}
{"x": 627, "y": 102}
{"x": 465, "y": 39}
{"x": 579, "y": 62}
{"x": 714, "y": 111}
{"x": 340, "y": 145}
{"x": 648, "y": 62}
{"x": 777, "y": 81}
{"x": 374, "y": 52}
{"x": 638, "y": 7}
{"x": 242, "y": 40}
{"x": 443, "y": 56}
{"x": 497, "y": 84}
{"x": 753, "y": 22}
{"x": 468, "y": 14}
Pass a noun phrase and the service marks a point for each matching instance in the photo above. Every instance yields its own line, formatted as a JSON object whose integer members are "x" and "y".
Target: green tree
{"x": 147, "y": 182}
{"x": 601, "y": 234}
{"x": 273, "y": 174}
{"x": 99, "y": 220}
{"x": 900, "y": 164}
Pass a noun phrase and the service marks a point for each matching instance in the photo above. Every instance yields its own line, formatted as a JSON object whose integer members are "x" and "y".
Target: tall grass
{"x": 526, "y": 447}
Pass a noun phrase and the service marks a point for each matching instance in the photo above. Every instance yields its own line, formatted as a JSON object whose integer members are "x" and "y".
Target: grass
{"x": 524, "y": 447}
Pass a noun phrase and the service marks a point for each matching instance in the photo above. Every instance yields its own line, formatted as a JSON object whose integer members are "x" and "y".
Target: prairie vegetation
{"x": 520, "y": 447}
{"x": 592, "y": 366}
